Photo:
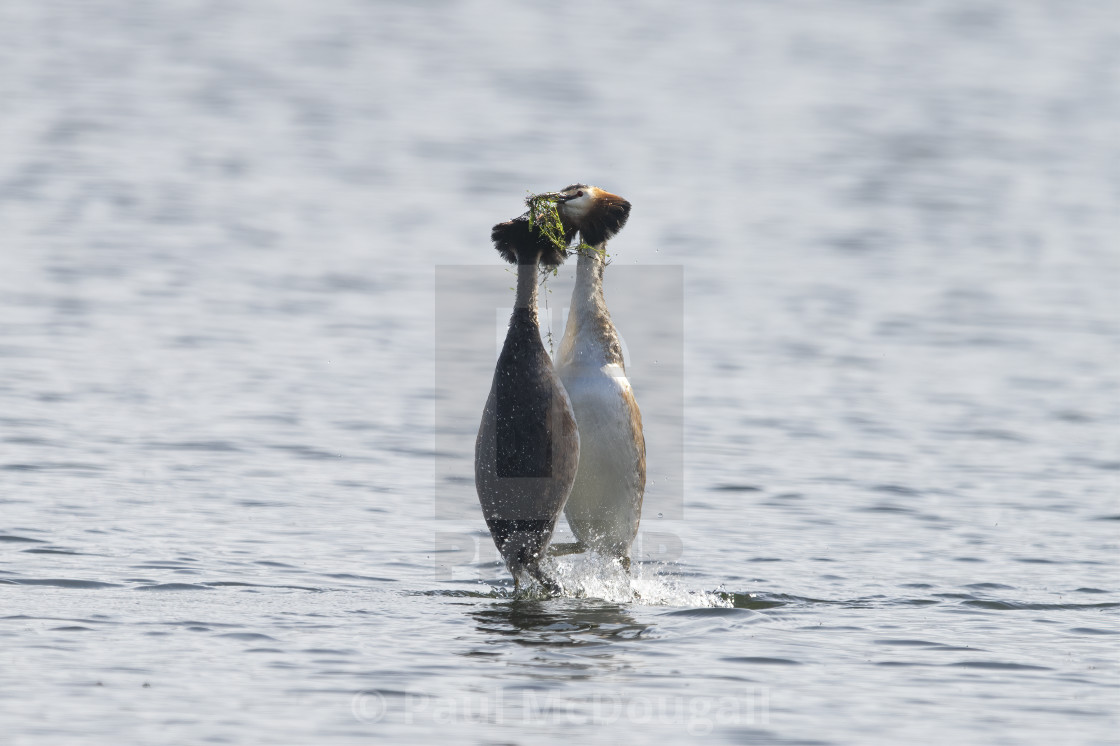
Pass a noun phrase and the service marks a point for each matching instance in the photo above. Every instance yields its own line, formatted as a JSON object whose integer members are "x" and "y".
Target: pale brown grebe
{"x": 527, "y": 450}
{"x": 605, "y": 505}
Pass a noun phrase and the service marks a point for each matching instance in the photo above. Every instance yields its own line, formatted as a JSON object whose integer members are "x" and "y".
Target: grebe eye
{"x": 579, "y": 193}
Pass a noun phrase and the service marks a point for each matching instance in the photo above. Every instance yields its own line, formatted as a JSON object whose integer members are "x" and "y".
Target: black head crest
{"x": 608, "y": 218}
{"x": 520, "y": 243}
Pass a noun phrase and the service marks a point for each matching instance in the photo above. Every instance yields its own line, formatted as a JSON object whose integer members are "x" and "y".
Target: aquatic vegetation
{"x": 545, "y": 218}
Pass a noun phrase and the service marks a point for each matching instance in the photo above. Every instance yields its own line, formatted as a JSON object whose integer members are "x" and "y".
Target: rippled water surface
{"x": 232, "y": 497}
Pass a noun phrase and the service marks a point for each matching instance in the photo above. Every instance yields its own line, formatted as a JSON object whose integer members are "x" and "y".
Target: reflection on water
{"x": 560, "y": 624}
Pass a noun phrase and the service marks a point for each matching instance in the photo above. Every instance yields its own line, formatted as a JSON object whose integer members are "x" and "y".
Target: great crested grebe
{"x": 606, "y": 501}
{"x": 527, "y": 450}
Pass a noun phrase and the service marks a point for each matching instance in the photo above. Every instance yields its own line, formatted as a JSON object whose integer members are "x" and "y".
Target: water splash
{"x": 594, "y": 576}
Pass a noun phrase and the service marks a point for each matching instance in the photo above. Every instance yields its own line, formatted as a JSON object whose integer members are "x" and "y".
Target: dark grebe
{"x": 527, "y": 450}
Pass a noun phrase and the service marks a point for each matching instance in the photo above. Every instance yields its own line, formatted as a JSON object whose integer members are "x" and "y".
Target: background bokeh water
{"x": 897, "y": 226}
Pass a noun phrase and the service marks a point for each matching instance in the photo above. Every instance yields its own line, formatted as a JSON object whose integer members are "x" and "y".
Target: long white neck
{"x": 588, "y": 292}
{"x": 589, "y": 337}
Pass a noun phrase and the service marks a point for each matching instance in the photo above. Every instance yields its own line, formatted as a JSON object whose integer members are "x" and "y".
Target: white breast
{"x": 604, "y": 507}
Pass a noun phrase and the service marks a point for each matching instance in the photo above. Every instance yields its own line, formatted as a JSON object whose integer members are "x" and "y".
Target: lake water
{"x": 869, "y": 292}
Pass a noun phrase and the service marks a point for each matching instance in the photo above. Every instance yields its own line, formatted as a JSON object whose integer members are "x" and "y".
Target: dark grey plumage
{"x": 527, "y": 450}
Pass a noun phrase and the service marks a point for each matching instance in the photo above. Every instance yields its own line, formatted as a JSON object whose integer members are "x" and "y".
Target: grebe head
{"x": 520, "y": 244}
{"x": 595, "y": 213}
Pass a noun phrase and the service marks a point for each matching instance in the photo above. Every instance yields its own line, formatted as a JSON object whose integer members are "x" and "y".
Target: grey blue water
{"x": 869, "y": 294}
